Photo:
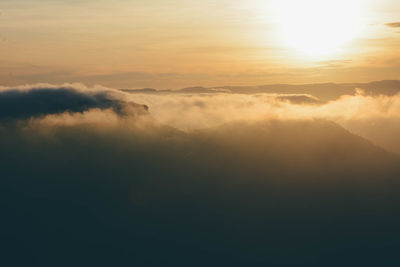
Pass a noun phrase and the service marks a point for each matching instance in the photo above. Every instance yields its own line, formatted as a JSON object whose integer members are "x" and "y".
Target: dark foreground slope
{"x": 277, "y": 193}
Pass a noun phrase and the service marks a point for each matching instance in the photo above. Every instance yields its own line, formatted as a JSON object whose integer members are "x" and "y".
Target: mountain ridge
{"x": 323, "y": 91}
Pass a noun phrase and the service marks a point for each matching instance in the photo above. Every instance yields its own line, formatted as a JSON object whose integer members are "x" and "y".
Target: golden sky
{"x": 178, "y": 43}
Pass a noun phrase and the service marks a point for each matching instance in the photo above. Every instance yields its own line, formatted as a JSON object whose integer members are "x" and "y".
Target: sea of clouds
{"x": 105, "y": 177}
{"x": 376, "y": 118}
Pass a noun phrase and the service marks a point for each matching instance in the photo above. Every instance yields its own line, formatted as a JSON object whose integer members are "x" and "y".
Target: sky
{"x": 179, "y": 43}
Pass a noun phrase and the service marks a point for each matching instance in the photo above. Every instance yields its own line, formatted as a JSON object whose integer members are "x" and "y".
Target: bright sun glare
{"x": 318, "y": 27}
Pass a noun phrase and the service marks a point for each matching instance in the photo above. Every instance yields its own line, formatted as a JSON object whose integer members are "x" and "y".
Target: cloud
{"x": 72, "y": 104}
{"x": 203, "y": 179}
{"x": 41, "y": 100}
{"x": 334, "y": 64}
{"x": 359, "y": 112}
{"x": 300, "y": 99}
{"x": 393, "y": 24}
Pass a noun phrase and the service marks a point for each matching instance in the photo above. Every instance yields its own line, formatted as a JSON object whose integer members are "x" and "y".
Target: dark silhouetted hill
{"x": 273, "y": 193}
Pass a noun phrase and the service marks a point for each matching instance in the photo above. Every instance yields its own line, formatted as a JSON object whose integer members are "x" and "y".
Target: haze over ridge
{"x": 95, "y": 177}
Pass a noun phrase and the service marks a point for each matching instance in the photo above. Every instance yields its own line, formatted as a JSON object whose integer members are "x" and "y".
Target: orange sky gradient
{"x": 177, "y": 43}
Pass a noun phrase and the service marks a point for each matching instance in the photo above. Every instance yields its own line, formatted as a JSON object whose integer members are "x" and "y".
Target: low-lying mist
{"x": 374, "y": 117}
{"x": 97, "y": 176}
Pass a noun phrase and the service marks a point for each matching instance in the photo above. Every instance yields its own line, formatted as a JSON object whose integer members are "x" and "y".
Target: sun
{"x": 318, "y": 27}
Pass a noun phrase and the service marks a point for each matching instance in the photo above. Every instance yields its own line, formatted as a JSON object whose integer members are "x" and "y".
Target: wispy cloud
{"x": 393, "y": 24}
